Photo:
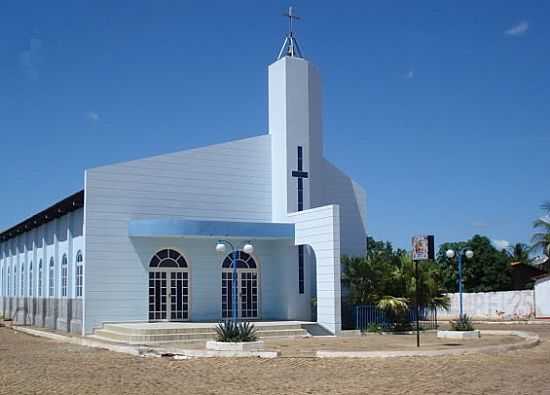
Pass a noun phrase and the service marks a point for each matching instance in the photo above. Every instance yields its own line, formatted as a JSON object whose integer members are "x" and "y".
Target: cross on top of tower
{"x": 290, "y": 46}
{"x": 290, "y": 16}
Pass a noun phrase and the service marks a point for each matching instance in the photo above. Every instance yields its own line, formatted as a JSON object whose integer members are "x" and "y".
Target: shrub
{"x": 230, "y": 331}
{"x": 374, "y": 328}
{"x": 463, "y": 324}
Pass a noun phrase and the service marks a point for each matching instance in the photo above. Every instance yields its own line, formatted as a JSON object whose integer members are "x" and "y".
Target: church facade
{"x": 138, "y": 243}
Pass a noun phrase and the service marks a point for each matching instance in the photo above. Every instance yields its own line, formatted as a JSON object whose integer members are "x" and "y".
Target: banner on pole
{"x": 423, "y": 247}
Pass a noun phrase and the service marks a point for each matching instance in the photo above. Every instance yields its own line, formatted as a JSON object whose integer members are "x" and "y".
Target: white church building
{"x": 138, "y": 243}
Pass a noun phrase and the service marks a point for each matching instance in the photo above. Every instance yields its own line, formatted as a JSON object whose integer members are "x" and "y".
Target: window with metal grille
{"x": 51, "y": 278}
{"x": 79, "y": 274}
{"x": 40, "y": 279}
{"x": 301, "y": 269}
{"x": 64, "y": 276}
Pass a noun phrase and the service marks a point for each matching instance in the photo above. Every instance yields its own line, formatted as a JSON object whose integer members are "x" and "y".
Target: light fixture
{"x": 248, "y": 248}
{"x": 450, "y": 254}
{"x": 220, "y": 248}
{"x": 469, "y": 254}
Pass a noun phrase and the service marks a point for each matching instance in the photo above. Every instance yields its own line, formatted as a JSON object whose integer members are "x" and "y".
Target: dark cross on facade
{"x": 300, "y": 174}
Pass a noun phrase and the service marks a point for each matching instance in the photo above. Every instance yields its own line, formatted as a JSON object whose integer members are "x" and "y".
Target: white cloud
{"x": 500, "y": 244}
{"x": 92, "y": 116}
{"x": 518, "y": 30}
{"x": 31, "y": 58}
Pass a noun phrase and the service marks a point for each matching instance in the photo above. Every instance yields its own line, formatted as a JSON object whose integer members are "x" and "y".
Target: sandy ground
{"x": 30, "y": 365}
{"x": 306, "y": 347}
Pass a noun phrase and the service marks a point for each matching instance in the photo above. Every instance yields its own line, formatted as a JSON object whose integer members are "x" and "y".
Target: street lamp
{"x": 465, "y": 252}
{"x": 220, "y": 249}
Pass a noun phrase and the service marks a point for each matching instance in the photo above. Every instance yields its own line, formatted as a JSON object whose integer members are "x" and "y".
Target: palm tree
{"x": 541, "y": 239}
{"x": 519, "y": 252}
{"x": 366, "y": 278}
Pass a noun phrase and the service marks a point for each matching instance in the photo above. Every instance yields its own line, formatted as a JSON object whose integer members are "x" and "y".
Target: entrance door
{"x": 248, "y": 294}
{"x": 247, "y": 286}
{"x": 168, "y": 287}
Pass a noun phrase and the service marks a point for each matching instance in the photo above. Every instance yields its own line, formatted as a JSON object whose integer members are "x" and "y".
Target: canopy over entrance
{"x": 169, "y": 227}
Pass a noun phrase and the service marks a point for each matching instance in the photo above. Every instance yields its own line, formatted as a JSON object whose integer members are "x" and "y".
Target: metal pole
{"x": 417, "y": 308}
{"x": 233, "y": 283}
{"x": 460, "y": 287}
{"x": 234, "y": 288}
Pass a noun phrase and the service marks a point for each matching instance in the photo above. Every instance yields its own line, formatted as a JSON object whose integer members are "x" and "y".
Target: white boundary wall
{"x": 508, "y": 305}
{"x": 542, "y": 297}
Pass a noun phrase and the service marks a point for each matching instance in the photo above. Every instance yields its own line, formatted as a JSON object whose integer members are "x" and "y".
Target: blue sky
{"x": 441, "y": 110}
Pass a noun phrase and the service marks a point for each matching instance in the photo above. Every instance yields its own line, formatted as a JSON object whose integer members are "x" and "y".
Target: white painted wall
{"x": 60, "y": 236}
{"x": 542, "y": 298}
{"x": 508, "y": 305}
{"x": 230, "y": 181}
{"x": 340, "y": 189}
{"x": 320, "y": 229}
{"x": 278, "y": 280}
{"x": 295, "y": 119}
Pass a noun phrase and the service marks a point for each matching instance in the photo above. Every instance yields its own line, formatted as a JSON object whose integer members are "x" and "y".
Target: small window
{"x": 15, "y": 289}
{"x": 40, "y": 279}
{"x": 301, "y": 269}
{"x": 79, "y": 274}
{"x": 22, "y": 280}
{"x": 168, "y": 259}
{"x": 243, "y": 260}
{"x": 30, "y": 285}
{"x": 64, "y": 276}
{"x": 51, "y": 278}
{"x": 8, "y": 282}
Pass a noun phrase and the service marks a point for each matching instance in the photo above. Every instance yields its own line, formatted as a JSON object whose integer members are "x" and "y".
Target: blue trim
{"x": 192, "y": 228}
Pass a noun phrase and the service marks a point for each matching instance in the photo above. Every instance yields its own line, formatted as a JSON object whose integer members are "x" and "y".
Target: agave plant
{"x": 247, "y": 332}
{"x": 230, "y": 331}
{"x": 463, "y": 324}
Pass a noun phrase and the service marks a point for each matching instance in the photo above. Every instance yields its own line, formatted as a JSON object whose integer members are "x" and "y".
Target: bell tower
{"x": 295, "y": 127}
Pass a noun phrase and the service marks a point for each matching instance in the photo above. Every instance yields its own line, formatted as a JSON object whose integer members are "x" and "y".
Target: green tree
{"x": 488, "y": 270}
{"x": 540, "y": 241}
{"x": 390, "y": 281}
{"x": 366, "y": 278}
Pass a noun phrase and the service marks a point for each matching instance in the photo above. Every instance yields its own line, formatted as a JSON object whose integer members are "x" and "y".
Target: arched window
{"x": 15, "y": 289}
{"x": 40, "y": 279}
{"x": 168, "y": 286}
{"x": 22, "y": 280}
{"x": 244, "y": 261}
{"x": 8, "y": 282}
{"x": 168, "y": 258}
{"x": 79, "y": 274}
{"x": 30, "y": 280}
{"x": 51, "y": 278}
{"x": 245, "y": 286}
{"x": 64, "y": 275}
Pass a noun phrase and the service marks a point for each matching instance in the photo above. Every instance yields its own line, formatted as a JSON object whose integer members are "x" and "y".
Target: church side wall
{"x": 230, "y": 181}
{"x": 22, "y": 300}
{"x": 342, "y": 190}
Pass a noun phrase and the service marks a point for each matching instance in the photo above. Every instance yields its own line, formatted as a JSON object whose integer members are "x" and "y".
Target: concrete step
{"x": 176, "y": 330}
{"x": 167, "y": 334}
{"x": 155, "y": 331}
{"x": 149, "y": 339}
{"x": 283, "y": 333}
